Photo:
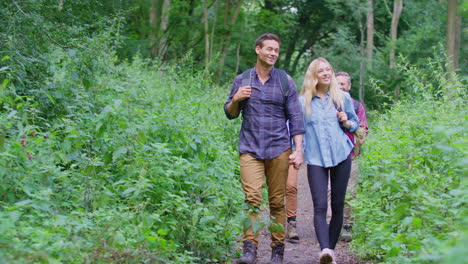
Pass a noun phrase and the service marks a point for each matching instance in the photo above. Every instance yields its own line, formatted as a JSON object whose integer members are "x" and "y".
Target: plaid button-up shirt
{"x": 264, "y": 134}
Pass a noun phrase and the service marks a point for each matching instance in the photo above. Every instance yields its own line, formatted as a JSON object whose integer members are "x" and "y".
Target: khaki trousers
{"x": 351, "y": 193}
{"x": 291, "y": 192}
{"x": 253, "y": 172}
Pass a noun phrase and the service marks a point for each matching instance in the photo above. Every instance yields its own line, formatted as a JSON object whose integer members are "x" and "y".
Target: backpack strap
{"x": 338, "y": 108}
{"x": 246, "y": 78}
{"x": 284, "y": 82}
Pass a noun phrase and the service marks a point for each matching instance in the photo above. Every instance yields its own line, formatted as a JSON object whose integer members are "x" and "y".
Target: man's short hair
{"x": 266, "y": 36}
{"x": 343, "y": 74}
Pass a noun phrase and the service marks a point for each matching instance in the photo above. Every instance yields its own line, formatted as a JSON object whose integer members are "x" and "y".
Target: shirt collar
{"x": 326, "y": 96}
{"x": 273, "y": 72}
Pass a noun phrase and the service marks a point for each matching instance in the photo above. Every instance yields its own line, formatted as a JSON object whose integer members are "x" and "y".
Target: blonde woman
{"x": 328, "y": 113}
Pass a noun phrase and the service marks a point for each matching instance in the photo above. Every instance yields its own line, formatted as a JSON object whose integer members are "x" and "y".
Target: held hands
{"x": 296, "y": 159}
{"x": 243, "y": 93}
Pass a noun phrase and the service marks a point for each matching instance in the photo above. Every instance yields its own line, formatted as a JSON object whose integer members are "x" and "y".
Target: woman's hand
{"x": 296, "y": 159}
{"x": 343, "y": 118}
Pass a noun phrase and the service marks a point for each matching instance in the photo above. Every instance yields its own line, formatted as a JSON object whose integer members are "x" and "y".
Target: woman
{"x": 328, "y": 112}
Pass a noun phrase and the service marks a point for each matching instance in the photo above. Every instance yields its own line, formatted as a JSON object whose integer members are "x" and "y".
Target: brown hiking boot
{"x": 346, "y": 234}
{"x": 277, "y": 252}
{"x": 249, "y": 253}
{"x": 292, "y": 235}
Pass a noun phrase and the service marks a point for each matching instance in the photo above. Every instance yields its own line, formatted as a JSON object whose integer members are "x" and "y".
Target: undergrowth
{"x": 116, "y": 163}
{"x": 412, "y": 200}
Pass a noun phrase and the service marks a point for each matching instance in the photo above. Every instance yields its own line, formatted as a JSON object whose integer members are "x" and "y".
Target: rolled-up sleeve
{"x": 349, "y": 109}
{"x": 294, "y": 110}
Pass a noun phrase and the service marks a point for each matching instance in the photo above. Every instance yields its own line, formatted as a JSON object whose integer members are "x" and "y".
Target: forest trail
{"x": 307, "y": 251}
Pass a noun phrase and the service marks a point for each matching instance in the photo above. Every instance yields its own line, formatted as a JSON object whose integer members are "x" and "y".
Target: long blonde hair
{"x": 309, "y": 87}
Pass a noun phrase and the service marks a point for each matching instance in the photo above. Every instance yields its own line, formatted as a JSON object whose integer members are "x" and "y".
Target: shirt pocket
{"x": 312, "y": 122}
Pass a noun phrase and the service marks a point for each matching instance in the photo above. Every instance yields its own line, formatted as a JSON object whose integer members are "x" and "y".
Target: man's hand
{"x": 243, "y": 93}
{"x": 233, "y": 107}
{"x": 296, "y": 159}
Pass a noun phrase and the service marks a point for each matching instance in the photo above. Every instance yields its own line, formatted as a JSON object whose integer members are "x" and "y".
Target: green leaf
{"x": 128, "y": 191}
{"x": 50, "y": 98}
{"x": 162, "y": 232}
{"x": 24, "y": 202}
{"x": 151, "y": 238}
{"x": 119, "y": 152}
{"x": 417, "y": 222}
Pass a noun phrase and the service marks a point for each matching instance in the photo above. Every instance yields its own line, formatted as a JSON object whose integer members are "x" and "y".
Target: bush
{"x": 412, "y": 201}
{"x": 137, "y": 165}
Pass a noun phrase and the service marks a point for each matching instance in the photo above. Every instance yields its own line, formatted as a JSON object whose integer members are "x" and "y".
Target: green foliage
{"x": 412, "y": 201}
{"x": 116, "y": 163}
{"x": 32, "y": 29}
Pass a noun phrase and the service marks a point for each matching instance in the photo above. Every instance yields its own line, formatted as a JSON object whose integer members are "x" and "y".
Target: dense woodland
{"x": 114, "y": 147}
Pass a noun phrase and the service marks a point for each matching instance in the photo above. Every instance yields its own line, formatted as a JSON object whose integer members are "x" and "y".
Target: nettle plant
{"x": 137, "y": 165}
{"x": 412, "y": 196}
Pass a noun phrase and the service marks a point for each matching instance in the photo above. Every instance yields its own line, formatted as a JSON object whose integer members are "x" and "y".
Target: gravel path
{"x": 307, "y": 251}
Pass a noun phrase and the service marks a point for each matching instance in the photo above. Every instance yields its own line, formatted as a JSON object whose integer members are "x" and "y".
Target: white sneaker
{"x": 327, "y": 256}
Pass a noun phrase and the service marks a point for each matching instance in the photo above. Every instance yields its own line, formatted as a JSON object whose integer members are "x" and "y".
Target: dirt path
{"x": 307, "y": 251}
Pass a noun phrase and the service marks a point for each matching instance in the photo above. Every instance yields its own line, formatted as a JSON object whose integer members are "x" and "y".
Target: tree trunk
{"x": 453, "y": 37}
{"x": 296, "y": 60}
{"x": 207, "y": 34}
{"x": 60, "y": 5}
{"x": 362, "y": 64}
{"x": 229, "y": 21}
{"x": 164, "y": 23}
{"x": 238, "y": 57}
{"x": 397, "y": 8}
{"x": 370, "y": 34}
{"x": 213, "y": 27}
{"x": 310, "y": 42}
{"x": 154, "y": 21}
{"x": 368, "y": 51}
{"x": 286, "y": 64}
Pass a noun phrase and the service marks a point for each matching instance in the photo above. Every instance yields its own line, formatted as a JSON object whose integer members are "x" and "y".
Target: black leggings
{"x": 328, "y": 235}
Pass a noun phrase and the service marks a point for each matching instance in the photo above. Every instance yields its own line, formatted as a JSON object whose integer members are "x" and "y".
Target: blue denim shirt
{"x": 325, "y": 143}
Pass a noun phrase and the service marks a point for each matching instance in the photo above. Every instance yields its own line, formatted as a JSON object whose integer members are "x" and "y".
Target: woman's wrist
{"x": 346, "y": 124}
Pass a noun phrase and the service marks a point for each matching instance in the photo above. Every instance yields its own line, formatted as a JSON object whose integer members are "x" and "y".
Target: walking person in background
{"x": 291, "y": 203}
{"x": 328, "y": 112}
{"x": 266, "y": 97}
{"x": 344, "y": 82}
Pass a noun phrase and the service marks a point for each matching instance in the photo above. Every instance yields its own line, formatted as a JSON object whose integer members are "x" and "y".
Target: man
{"x": 344, "y": 81}
{"x": 291, "y": 205}
{"x": 264, "y": 144}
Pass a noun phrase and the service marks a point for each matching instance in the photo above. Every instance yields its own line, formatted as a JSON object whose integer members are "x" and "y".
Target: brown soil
{"x": 307, "y": 250}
